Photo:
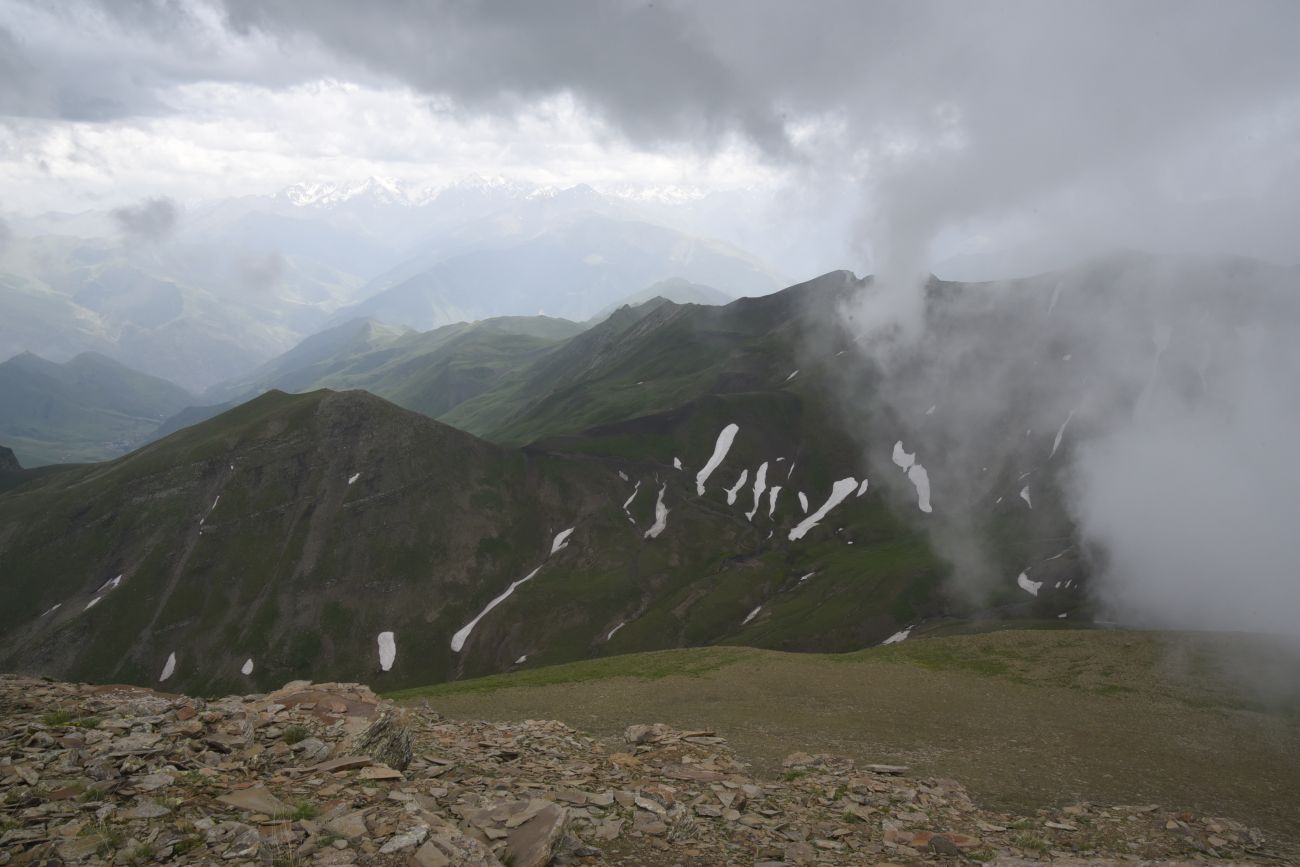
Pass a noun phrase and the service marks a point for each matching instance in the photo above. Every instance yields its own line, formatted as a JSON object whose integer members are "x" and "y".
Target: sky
{"x": 996, "y": 136}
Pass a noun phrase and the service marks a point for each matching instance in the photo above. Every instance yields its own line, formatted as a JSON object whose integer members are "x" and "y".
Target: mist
{"x": 151, "y": 220}
{"x": 1143, "y": 403}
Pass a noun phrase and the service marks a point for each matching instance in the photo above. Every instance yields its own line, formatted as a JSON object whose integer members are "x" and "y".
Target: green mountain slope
{"x": 429, "y": 372}
{"x": 89, "y": 408}
{"x": 294, "y": 529}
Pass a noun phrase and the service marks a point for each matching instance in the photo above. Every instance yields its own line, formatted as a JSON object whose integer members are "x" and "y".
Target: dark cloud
{"x": 150, "y": 220}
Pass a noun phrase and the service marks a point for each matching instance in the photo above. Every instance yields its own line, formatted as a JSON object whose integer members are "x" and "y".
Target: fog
{"x": 988, "y": 140}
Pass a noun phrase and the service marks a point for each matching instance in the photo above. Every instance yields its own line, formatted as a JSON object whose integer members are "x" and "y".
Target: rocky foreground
{"x": 329, "y": 774}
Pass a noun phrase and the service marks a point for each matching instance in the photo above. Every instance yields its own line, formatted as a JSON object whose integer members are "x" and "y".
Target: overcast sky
{"x": 953, "y": 127}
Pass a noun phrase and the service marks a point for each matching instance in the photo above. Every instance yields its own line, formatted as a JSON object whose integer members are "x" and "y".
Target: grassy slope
{"x": 1025, "y": 718}
{"x": 89, "y": 408}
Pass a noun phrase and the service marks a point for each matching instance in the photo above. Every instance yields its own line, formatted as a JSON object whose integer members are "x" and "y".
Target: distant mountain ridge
{"x": 86, "y": 409}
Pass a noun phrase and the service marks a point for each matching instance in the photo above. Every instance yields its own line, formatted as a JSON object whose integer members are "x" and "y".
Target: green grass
{"x": 641, "y": 666}
{"x": 295, "y": 734}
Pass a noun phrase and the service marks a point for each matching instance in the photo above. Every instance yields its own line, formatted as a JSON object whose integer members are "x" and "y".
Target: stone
{"x": 408, "y": 839}
{"x": 387, "y": 740}
{"x": 349, "y": 825}
{"x": 941, "y": 845}
{"x": 379, "y": 772}
{"x": 449, "y": 846}
{"x": 256, "y": 799}
{"x": 645, "y": 734}
{"x": 533, "y": 843}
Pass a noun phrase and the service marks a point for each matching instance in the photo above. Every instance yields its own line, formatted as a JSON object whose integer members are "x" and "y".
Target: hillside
{"x": 429, "y": 372}
{"x": 253, "y": 535}
{"x": 86, "y": 409}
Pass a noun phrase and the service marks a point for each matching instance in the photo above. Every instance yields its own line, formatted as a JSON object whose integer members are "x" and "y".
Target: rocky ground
{"x": 329, "y": 774}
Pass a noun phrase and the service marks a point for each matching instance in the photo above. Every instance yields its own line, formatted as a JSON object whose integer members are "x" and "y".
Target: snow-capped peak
{"x": 379, "y": 191}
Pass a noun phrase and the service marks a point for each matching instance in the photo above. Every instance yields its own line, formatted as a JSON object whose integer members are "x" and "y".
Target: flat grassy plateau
{"x": 1025, "y": 718}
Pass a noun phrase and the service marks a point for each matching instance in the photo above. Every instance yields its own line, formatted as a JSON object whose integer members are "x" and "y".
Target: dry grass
{"x": 1025, "y": 719}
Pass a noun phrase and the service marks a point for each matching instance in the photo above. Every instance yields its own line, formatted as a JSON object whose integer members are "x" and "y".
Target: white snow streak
{"x": 353, "y": 478}
{"x": 760, "y": 485}
{"x": 1056, "y": 294}
{"x": 1024, "y": 495}
{"x": 629, "y": 500}
{"x": 720, "y": 449}
{"x": 677, "y": 463}
{"x": 387, "y": 650}
{"x": 735, "y": 489}
{"x": 622, "y": 475}
{"x": 771, "y": 500}
{"x": 247, "y": 667}
{"x": 458, "y": 640}
{"x": 792, "y": 376}
{"x": 806, "y": 577}
{"x": 902, "y": 458}
{"x": 92, "y": 603}
{"x": 1030, "y": 587}
{"x": 839, "y": 491}
{"x": 1060, "y": 432}
{"x": 110, "y": 584}
{"x": 169, "y": 668}
{"x": 901, "y": 635}
{"x": 661, "y": 516}
{"x": 803, "y": 502}
{"x": 752, "y": 615}
{"x": 862, "y": 488}
{"x": 920, "y": 480}
{"x": 57, "y": 606}
{"x": 615, "y": 629}
{"x": 561, "y": 540}
{"x": 521, "y": 660}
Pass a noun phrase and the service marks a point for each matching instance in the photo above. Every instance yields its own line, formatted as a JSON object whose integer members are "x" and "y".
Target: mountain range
{"x": 225, "y": 286}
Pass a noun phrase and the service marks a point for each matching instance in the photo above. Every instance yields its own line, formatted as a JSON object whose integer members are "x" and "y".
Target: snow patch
{"x": 462, "y": 635}
{"x": 720, "y": 448}
{"x": 901, "y": 635}
{"x": 110, "y": 584}
{"x": 751, "y": 615}
{"x": 561, "y": 540}
{"x": 661, "y": 516}
{"x": 792, "y": 376}
{"x": 735, "y": 489}
{"x": 629, "y": 500}
{"x": 615, "y": 629}
{"x": 806, "y": 577}
{"x": 760, "y": 485}
{"x": 57, "y": 606}
{"x": 902, "y": 458}
{"x": 169, "y": 669}
{"x": 1060, "y": 432}
{"x": 247, "y": 667}
{"x": 862, "y": 488}
{"x": 1056, "y": 295}
{"x": 920, "y": 480}
{"x": 353, "y": 478}
{"x": 521, "y": 660}
{"x": 1024, "y": 495}
{"x": 1030, "y": 587}
{"x": 771, "y": 500}
{"x": 92, "y": 603}
{"x": 803, "y": 502}
{"x": 622, "y": 475}
{"x": 387, "y": 650}
{"x": 839, "y": 491}
{"x": 677, "y": 463}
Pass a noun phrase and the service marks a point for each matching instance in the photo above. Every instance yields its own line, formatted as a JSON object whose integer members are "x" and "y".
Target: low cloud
{"x": 151, "y": 220}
